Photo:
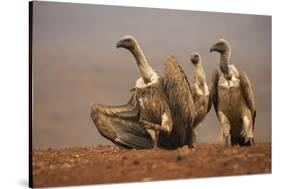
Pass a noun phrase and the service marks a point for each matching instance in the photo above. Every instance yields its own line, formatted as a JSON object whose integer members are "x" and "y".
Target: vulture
{"x": 200, "y": 92}
{"x": 233, "y": 99}
{"x": 157, "y": 115}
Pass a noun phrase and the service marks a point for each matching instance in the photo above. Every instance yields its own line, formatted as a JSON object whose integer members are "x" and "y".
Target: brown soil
{"x": 108, "y": 164}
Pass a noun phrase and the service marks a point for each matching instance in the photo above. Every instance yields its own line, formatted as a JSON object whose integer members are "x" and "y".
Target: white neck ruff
{"x": 153, "y": 79}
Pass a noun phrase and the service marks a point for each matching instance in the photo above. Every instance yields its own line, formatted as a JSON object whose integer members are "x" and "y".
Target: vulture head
{"x": 195, "y": 58}
{"x": 127, "y": 42}
{"x": 221, "y": 46}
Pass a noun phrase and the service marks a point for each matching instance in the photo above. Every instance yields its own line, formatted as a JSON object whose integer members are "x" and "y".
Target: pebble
{"x": 76, "y": 156}
{"x": 136, "y": 162}
{"x": 66, "y": 165}
{"x": 147, "y": 179}
{"x": 51, "y": 166}
{"x": 180, "y": 156}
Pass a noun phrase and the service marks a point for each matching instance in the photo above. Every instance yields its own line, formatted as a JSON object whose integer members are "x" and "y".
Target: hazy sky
{"x": 76, "y": 63}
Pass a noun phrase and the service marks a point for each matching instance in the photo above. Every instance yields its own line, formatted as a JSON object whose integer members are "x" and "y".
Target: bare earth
{"x": 108, "y": 164}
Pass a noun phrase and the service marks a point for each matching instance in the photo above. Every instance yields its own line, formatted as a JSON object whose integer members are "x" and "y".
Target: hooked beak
{"x": 212, "y": 49}
{"x": 119, "y": 44}
{"x": 194, "y": 62}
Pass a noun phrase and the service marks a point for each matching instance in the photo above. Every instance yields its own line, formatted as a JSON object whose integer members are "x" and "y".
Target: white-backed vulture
{"x": 233, "y": 99}
{"x": 200, "y": 91}
{"x": 156, "y": 115}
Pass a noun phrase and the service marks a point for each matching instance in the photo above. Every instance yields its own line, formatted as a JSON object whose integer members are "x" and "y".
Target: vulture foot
{"x": 191, "y": 147}
{"x": 249, "y": 141}
{"x": 153, "y": 130}
{"x": 154, "y": 136}
{"x": 148, "y": 125}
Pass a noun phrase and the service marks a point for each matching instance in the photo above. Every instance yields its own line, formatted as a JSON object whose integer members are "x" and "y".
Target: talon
{"x": 152, "y": 126}
{"x": 191, "y": 147}
{"x": 154, "y": 130}
{"x": 250, "y": 141}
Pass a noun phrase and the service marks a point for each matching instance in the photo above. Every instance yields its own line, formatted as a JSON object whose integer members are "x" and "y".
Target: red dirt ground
{"x": 108, "y": 164}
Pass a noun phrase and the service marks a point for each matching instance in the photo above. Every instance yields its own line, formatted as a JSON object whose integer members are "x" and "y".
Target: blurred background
{"x": 76, "y": 63}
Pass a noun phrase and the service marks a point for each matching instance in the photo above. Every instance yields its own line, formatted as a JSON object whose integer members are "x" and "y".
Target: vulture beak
{"x": 119, "y": 44}
{"x": 212, "y": 49}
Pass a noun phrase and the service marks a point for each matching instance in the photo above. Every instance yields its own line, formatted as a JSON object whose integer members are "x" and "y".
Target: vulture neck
{"x": 224, "y": 61}
{"x": 144, "y": 68}
{"x": 199, "y": 74}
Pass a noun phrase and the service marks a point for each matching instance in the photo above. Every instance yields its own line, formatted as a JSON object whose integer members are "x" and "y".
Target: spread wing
{"x": 179, "y": 95}
{"x": 214, "y": 90}
{"x": 120, "y": 124}
{"x": 248, "y": 93}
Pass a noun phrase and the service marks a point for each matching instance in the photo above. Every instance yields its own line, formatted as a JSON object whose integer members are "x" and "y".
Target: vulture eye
{"x": 220, "y": 43}
{"x": 128, "y": 40}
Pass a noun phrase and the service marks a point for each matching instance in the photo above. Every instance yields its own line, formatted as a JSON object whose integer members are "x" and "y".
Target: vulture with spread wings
{"x": 159, "y": 113}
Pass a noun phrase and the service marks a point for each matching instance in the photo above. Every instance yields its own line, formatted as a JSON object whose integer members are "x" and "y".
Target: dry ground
{"x": 108, "y": 164}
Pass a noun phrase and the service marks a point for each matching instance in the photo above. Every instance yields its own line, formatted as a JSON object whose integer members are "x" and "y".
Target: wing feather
{"x": 179, "y": 95}
{"x": 248, "y": 93}
{"x": 214, "y": 90}
{"x": 210, "y": 101}
{"x": 120, "y": 124}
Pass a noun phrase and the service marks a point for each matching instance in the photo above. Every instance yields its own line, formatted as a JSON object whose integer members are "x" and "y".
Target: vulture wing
{"x": 120, "y": 124}
{"x": 210, "y": 101}
{"x": 248, "y": 94}
{"x": 214, "y": 90}
{"x": 179, "y": 96}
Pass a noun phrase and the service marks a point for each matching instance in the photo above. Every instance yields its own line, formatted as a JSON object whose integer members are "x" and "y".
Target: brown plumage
{"x": 156, "y": 115}
{"x": 233, "y": 99}
{"x": 178, "y": 92}
{"x": 147, "y": 118}
{"x": 120, "y": 124}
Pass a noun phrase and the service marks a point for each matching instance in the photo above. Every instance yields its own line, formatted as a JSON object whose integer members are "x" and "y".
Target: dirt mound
{"x": 108, "y": 164}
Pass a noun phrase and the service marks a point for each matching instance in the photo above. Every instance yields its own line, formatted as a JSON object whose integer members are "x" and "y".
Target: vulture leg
{"x": 225, "y": 126}
{"x": 227, "y": 140}
{"x": 194, "y": 134}
{"x": 247, "y": 130}
{"x": 154, "y": 130}
{"x": 154, "y": 134}
{"x": 252, "y": 141}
